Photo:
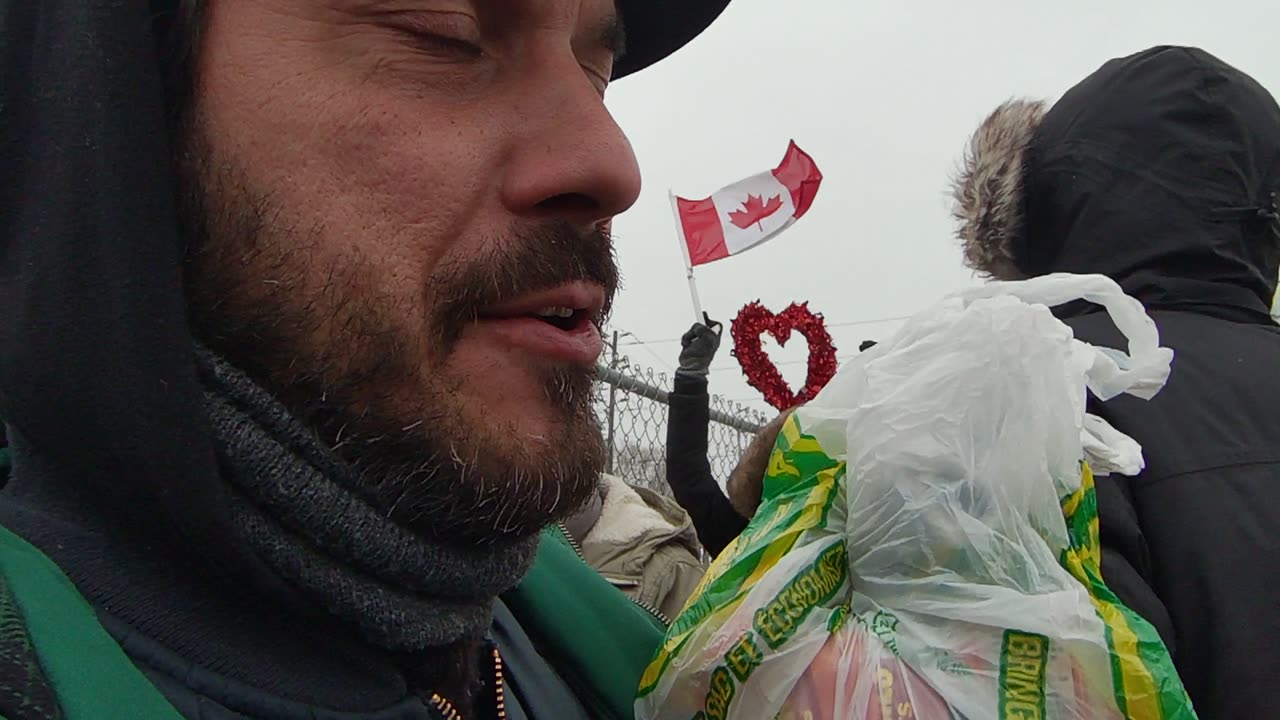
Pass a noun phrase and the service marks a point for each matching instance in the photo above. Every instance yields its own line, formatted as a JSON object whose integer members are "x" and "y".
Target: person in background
{"x": 716, "y": 519}
{"x": 641, "y": 542}
{"x": 688, "y": 427}
{"x": 1161, "y": 170}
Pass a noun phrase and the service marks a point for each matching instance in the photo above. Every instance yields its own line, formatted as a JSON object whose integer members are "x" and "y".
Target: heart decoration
{"x": 753, "y": 321}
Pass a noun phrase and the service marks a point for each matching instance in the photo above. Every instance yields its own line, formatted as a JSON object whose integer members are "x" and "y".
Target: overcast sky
{"x": 883, "y": 94}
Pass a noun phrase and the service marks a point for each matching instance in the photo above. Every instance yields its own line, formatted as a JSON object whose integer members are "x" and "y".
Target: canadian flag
{"x": 745, "y": 214}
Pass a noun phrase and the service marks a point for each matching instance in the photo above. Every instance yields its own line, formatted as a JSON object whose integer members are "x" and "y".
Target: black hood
{"x": 98, "y": 386}
{"x": 1160, "y": 170}
{"x": 97, "y": 374}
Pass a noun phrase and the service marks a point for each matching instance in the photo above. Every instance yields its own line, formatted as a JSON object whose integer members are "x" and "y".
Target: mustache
{"x": 536, "y": 258}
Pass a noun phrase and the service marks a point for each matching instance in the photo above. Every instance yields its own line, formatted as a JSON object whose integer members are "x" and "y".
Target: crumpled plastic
{"x": 927, "y": 545}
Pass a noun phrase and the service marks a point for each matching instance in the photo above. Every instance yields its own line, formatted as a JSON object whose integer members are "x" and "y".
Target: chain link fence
{"x": 631, "y": 402}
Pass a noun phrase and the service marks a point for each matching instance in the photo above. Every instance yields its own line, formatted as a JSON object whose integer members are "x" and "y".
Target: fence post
{"x": 613, "y": 401}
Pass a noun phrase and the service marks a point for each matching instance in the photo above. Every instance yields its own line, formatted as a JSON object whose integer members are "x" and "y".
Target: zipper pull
{"x": 1270, "y": 211}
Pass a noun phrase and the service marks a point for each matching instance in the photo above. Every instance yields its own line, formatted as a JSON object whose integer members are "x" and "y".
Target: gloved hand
{"x": 698, "y": 348}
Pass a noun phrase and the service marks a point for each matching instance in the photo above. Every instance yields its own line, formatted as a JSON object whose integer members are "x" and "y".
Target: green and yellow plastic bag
{"x": 927, "y": 545}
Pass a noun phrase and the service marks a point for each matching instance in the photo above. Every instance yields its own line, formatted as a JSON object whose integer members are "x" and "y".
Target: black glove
{"x": 698, "y": 348}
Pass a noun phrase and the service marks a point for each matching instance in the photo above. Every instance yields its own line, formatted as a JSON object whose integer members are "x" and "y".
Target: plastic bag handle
{"x": 1141, "y": 372}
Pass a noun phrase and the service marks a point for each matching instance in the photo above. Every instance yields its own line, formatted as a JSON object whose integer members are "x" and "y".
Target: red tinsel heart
{"x": 753, "y": 321}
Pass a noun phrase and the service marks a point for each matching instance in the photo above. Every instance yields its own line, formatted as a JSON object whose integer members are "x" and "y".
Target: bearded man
{"x": 302, "y": 302}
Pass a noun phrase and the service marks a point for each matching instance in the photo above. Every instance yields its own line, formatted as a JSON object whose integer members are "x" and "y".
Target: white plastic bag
{"x": 927, "y": 544}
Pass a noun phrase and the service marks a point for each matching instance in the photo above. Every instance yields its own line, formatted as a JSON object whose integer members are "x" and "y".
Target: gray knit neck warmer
{"x": 295, "y": 508}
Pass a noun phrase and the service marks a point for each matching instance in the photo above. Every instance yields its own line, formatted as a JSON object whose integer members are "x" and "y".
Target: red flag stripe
{"x": 700, "y": 222}
{"x": 800, "y": 174}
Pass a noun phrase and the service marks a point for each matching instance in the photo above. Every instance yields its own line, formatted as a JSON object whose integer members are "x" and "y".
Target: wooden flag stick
{"x": 688, "y": 263}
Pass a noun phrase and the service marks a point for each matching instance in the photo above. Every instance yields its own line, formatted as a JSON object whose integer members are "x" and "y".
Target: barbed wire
{"x": 634, "y": 341}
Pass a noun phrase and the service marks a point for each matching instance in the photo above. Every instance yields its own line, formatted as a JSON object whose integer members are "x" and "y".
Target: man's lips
{"x": 560, "y": 324}
{"x": 585, "y": 297}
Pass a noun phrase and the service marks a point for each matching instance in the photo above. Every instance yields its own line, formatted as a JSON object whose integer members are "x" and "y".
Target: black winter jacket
{"x": 1161, "y": 171}
{"x": 689, "y": 471}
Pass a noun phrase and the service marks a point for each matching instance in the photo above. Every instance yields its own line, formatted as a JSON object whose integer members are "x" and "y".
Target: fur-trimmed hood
{"x": 989, "y": 192}
{"x": 1160, "y": 170}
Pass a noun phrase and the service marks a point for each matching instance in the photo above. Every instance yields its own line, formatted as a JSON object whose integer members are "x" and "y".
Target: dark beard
{"x": 333, "y": 353}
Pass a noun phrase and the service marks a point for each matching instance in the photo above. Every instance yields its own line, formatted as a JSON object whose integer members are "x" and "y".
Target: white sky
{"x": 883, "y": 95}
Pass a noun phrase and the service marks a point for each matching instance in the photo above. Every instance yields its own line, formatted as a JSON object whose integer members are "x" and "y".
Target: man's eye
{"x": 441, "y": 33}
{"x": 446, "y": 44}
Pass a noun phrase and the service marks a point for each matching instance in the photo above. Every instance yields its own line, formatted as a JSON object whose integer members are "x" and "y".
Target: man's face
{"x": 398, "y": 213}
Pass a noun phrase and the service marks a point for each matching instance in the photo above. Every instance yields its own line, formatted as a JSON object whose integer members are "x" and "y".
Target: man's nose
{"x": 570, "y": 160}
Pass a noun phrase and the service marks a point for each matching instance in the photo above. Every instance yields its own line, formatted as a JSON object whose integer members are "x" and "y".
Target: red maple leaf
{"x": 754, "y": 210}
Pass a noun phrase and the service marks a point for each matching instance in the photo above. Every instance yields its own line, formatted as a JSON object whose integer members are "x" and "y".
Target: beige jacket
{"x": 641, "y": 542}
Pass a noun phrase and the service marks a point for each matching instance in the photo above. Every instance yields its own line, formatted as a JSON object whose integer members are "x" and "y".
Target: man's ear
{"x": 988, "y": 192}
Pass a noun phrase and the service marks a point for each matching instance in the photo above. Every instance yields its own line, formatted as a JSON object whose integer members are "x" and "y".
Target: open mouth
{"x": 564, "y": 318}
{"x": 561, "y": 323}
{"x": 569, "y": 307}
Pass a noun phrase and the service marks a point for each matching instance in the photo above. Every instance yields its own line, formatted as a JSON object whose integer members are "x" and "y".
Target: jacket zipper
{"x": 657, "y": 614}
{"x": 499, "y": 685}
{"x": 564, "y": 530}
{"x": 446, "y": 708}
